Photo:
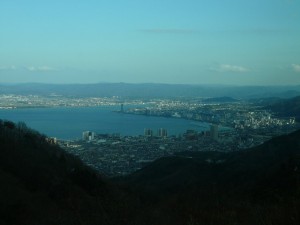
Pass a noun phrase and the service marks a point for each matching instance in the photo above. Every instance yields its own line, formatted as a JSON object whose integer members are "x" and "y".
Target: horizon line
{"x": 150, "y": 83}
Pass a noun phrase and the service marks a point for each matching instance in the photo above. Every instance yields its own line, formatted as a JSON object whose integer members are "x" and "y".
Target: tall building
{"x": 88, "y": 135}
{"x": 162, "y": 132}
{"x": 122, "y": 108}
{"x": 214, "y": 131}
{"x": 148, "y": 132}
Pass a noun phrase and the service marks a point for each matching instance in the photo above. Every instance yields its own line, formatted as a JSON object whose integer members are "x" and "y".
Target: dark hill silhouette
{"x": 255, "y": 186}
{"x": 41, "y": 184}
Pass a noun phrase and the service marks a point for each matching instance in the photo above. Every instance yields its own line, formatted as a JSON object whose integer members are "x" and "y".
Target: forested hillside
{"x": 255, "y": 186}
{"x": 41, "y": 184}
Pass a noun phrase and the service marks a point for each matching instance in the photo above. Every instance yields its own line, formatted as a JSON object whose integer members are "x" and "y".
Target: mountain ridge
{"x": 151, "y": 90}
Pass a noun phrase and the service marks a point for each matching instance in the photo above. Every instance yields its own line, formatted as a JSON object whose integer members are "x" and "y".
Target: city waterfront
{"x": 68, "y": 123}
{"x": 118, "y": 137}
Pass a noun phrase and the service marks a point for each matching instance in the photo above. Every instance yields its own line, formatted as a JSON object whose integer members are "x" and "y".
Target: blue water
{"x": 69, "y": 123}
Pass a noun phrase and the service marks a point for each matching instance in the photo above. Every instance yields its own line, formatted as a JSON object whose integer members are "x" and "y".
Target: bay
{"x": 69, "y": 123}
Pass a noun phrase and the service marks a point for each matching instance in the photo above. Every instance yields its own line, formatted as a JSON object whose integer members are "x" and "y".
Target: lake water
{"x": 69, "y": 123}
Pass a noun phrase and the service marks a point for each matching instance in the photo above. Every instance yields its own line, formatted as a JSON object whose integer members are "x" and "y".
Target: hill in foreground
{"x": 256, "y": 186}
{"x": 41, "y": 184}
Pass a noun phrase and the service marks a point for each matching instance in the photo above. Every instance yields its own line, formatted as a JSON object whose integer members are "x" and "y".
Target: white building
{"x": 88, "y": 135}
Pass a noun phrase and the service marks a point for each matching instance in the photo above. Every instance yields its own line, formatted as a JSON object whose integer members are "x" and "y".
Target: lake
{"x": 69, "y": 123}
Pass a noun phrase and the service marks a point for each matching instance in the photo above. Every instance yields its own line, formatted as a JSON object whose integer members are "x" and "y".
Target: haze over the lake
{"x": 160, "y": 41}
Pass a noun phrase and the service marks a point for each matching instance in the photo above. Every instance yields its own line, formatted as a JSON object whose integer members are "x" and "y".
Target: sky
{"x": 236, "y": 42}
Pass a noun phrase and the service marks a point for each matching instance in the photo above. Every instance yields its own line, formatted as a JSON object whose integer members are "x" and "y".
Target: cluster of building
{"x": 237, "y": 115}
{"x": 113, "y": 154}
{"x": 247, "y": 126}
{"x": 11, "y": 101}
{"x": 161, "y": 132}
{"x": 258, "y": 119}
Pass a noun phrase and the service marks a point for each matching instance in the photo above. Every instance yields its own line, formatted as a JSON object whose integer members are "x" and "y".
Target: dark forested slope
{"x": 255, "y": 186}
{"x": 41, "y": 184}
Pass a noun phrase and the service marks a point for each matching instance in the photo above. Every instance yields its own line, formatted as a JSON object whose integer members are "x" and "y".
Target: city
{"x": 233, "y": 127}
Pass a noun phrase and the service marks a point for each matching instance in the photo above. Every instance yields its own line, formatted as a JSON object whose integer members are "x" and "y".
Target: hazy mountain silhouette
{"x": 151, "y": 90}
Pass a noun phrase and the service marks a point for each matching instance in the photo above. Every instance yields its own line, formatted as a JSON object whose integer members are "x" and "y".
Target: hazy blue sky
{"x": 162, "y": 41}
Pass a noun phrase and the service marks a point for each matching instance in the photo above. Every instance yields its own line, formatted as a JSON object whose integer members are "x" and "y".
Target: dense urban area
{"x": 234, "y": 125}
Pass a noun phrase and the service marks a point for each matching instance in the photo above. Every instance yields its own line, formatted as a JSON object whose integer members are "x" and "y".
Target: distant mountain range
{"x": 127, "y": 90}
{"x": 42, "y": 184}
